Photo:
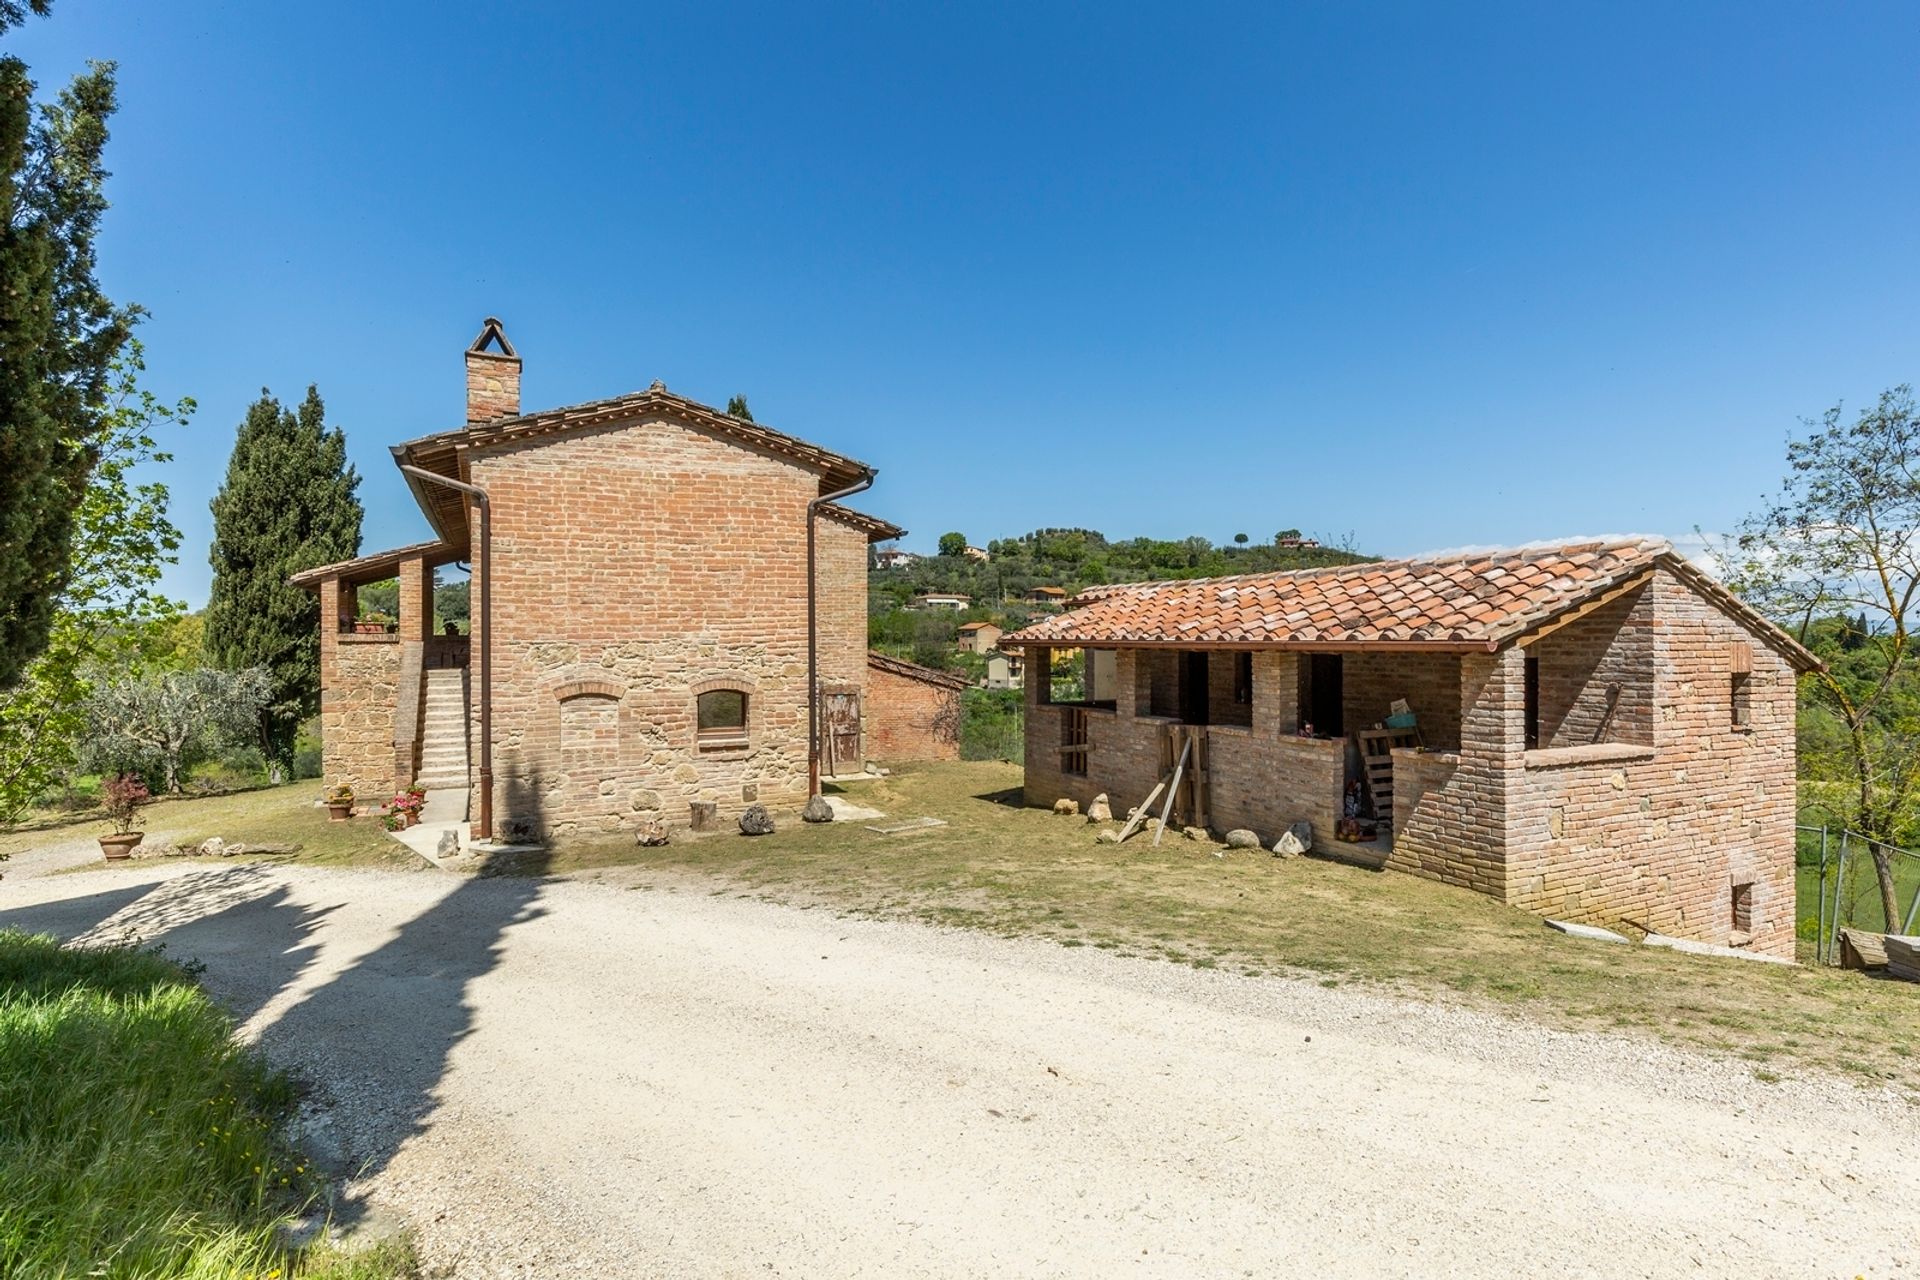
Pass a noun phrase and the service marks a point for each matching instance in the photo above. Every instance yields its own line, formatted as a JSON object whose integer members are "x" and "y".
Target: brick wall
{"x": 1661, "y": 836}
{"x": 1430, "y": 682}
{"x": 633, "y": 566}
{"x": 909, "y": 719}
{"x": 1579, "y": 666}
{"x": 1450, "y": 817}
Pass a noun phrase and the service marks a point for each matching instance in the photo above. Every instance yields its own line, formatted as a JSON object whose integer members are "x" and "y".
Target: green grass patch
{"x": 137, "y": 1138}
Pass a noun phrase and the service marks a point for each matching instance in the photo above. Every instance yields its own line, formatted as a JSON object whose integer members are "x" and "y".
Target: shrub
{"x": 125, "y": 795}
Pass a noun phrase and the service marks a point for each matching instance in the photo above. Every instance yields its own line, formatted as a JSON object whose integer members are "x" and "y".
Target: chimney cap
{"x": 491, "y": 331}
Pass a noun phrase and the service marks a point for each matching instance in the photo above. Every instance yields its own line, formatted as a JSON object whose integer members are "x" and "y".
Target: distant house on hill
{"x": 941, "y": 600}
{"x": 977, "y": 554}
{"x": 1296, "y": 543}
{"x": 1047, "y": 595}
{"x": 893, "y": 558}
{"x": 1005, "y": 670}
{"x": 978, "y": 637}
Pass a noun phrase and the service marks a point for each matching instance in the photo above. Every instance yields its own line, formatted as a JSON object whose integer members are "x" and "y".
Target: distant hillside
{"x": 1065, "y": 558}
{"x": 1076, "y": 558}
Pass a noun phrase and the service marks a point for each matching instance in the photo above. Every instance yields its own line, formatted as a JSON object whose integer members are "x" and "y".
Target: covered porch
{"x": 1269, "y": 737}
{"x": 393, "y": 697}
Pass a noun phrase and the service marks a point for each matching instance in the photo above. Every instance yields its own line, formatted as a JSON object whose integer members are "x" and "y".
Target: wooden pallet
{"x": 1376, "y": 761}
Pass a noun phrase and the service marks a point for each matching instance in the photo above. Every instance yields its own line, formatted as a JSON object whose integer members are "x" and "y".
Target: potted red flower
{"x": 125, "y": 795}
{"x": 406, "y": 807}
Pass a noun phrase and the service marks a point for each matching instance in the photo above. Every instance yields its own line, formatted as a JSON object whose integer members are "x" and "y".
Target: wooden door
{"x": 840, "y": 731}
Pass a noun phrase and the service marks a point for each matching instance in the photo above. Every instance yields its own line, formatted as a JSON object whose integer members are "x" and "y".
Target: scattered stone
{"x": 1067, "y": 807}
{"x": 1196, "y": 833}
{"x": 1109, "y": 836}
{"x": 154, "y": 849}
{"x": 1100, "y": 810}
{"x": 651, "y": 833}
{"x": 1294, "y": 841}
{"x": 756, "y": 821}
{"x": 212, "y": 847}
{"x": 704, "y": 814}
{"x": 817, "y": 810}
{"x": 1241, "y": 838}
{"x": 449, "y": 846}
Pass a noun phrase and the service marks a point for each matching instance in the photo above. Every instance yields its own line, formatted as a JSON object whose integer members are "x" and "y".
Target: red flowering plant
{"x": 125, "y": 795}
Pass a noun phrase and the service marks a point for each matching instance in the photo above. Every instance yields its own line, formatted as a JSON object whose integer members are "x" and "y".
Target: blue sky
{"x": 1427, "y": 274}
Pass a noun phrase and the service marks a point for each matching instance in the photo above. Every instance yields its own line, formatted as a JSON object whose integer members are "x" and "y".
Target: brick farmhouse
{"x": 1599, "y": 731}
{"x": 640, "y": 621}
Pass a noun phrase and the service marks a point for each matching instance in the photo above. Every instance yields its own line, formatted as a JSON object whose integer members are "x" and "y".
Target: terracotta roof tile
{"x": 1476, "y": 600}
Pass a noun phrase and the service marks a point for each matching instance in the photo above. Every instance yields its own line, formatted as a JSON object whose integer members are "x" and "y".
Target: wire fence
{"x": 1838, "y": 888}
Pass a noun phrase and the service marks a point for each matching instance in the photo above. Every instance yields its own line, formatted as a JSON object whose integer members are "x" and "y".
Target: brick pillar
{"x": 338, "y": 601}
{"x": 1276, "y": 694}
{"x": 416, "y": 600}
{"x": 1126, "y": 683}
{"x": 1492, "y": 765}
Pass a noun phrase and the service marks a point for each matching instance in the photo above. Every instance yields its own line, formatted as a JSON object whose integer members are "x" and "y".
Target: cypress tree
{"x": 737, "y": 408}
{"x": 58, "y": 335}
{"x": 287, "y": 504}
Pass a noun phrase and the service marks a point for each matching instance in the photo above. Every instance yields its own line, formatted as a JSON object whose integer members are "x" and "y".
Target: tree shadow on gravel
{"x": 239, "y": 920}
{"x": 374, "y": 1043}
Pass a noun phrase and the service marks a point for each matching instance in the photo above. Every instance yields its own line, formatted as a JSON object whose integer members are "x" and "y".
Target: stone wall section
{"x": 359, "y": 679}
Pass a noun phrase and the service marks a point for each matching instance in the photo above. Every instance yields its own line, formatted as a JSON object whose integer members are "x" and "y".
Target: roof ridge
{"x": 1651, "y": 545}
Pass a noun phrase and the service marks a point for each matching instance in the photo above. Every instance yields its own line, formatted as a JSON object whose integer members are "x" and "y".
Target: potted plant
{"x": 340, "y": 802}
{"x": 375, "y": 624}
{"x": 124, "y": 795}
{"x": 406, "y": 807}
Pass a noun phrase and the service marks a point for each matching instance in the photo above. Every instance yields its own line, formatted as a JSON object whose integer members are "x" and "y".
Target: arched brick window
{"x": 723, "y": 711}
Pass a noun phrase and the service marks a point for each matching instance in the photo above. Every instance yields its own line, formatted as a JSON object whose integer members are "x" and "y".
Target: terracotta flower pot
{"x": 339, "y": 811}
{"x": 120, "y": 847}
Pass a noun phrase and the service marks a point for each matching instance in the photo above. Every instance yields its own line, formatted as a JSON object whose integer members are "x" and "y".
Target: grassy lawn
{"x": 278, "y": 815}
{"x": 1012, "y": 870}
{"x": 136, "y": 1138}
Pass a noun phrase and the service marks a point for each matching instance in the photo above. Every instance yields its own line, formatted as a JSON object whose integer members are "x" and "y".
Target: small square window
{"x": 1742, "y": 694}
{"x": 723, "y": 714}
{"x": 1743, "y": 908}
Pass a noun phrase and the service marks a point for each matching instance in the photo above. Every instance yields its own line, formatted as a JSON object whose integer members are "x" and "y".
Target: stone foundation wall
{"x": 359, "y": 682}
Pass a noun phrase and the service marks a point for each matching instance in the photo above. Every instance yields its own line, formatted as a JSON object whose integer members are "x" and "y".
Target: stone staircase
{"x": 443, "y": 737}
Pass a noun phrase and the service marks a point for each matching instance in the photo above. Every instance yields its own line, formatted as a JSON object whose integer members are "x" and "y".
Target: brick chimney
{"x": 493, "y": 377}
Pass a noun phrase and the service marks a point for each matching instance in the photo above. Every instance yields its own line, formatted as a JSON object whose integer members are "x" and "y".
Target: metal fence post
{"x": 1839, "y": 886}
{"x": 1820, "y": 897}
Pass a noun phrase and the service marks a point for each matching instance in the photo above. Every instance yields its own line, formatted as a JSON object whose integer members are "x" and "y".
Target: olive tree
{"x": 162, "y": 721}
{"x": 1840, "y": 544}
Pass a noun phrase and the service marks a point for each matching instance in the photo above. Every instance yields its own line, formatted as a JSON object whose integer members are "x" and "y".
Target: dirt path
{"x": 581, "y": 1078}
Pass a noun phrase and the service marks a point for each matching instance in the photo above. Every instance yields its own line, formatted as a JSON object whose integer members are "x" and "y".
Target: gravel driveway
{"x": 561, "y": 1077}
